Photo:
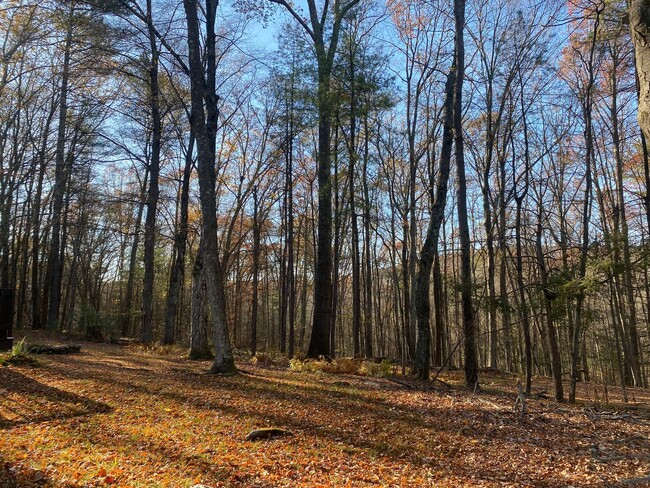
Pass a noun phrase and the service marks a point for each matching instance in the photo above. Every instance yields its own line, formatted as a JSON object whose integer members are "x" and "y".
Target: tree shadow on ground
{"x": 25, "y": 400}
{"x": 414, "y": 433}
{"x": 277, "y": 404}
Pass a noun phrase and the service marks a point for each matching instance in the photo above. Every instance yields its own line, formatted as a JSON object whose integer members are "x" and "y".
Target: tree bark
{"x": 177, "y": 276}
{"x": 521, "y": 286}
{"x": 146, "y": 333}
{"x": 204, "y": 120}
{"x": 199, "y": 347}
{"x": 587, "y": 107}
{"x": 127, "y": 312}
{"x": 62, "y": 171}
{"x": 421, "y": 368}
{"x": 319, "y": 344}
{"x": 549, "y": 296}
{"x": 36, "y": 304}
{"x": 640, "y": 30}
{"x": 368, "y": 302}
{"x": 469, "y": 319}
{"x": 632, "y": 335}
{"x": 256, "y": 270}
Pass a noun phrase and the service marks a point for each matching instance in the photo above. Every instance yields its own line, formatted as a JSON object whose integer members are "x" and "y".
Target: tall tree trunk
{"x": 204, "y": 121}
{"x": 469, "y": 319}
{"x": 284, "y": 292}
{"x": 256, "y": 271}
{"x": 36, "y": 303}
{"x": 322, "y": 324}
{"x": 421, "y": 368}
{"x": 632, "y": 335}
{"x": 338, "y": 211}
{"x": 411, "y": 283}
{"x": 408, "y": 351}
{"x": 549, "y": 296}
{"x": 127, "y": 308}
{"x": 521, "y": 286}
{"x": 291, "y": 272}
{"x": 640, "y": 29}
{"x": 22, "y": 239}
{"x": 523, "y": 305}
{"x": 368, "y": 309}
{"x": 177, "y": 275}
{"x": 61, "y": 175}
{"x": 146, "y": 333}
{"x": 503, "y": 270}
{"x": 356, "y": 264}
{"x": 578, "y": 329}
{"x": 7, "y": 189}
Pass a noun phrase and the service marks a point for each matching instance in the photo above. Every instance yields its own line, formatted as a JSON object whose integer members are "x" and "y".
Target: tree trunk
{"x": 146, "y": 333}
{"x": 204, "y": 121}
{"x": 338, "y": 211}
{"x": 36, "y": 305}
{"x": 587, "y": 103}
{"x": 519, "y": 199}
{"x": 421, "y": 368}
{"x": 632, "y": 335}
{"x": 368, "y": 308}
{"x": 199, "y": 347}
{"x": 256, "y": 269}
{"x": 319, "y": 344}
{"x": 356, "y": 264}
{"x": 640, "y": 29}
{"x": 322, "y": 324}
{"x": 177, "y": 276}
{"x": 523, "y": 305}
{"x": 291, "y": 272}
{"x": 469, "y": 319}
{"x": 549, "y": 296}
{"x": 62, "y": 172}
{"x": 127, "y": 308}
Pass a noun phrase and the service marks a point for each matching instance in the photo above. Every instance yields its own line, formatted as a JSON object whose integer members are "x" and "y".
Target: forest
{"x": 434, "y": 184}
{"x": 409, "y": 237}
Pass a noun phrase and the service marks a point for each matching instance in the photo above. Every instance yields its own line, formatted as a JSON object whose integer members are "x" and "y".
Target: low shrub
{"x": 19, "y": 356}
{"x": 384, "y": 369}
{"x": 266, "y": 359}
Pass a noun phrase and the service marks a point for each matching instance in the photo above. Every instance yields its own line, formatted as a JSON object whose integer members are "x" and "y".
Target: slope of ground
{"x": 122, "y": 416}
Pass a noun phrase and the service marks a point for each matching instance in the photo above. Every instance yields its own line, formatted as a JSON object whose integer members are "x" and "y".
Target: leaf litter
{"x": 123, "y": 416}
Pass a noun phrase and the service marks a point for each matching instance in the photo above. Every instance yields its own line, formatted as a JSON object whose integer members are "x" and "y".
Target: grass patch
{"x": 383, "y": 369}
{"x": 19, "y": 356}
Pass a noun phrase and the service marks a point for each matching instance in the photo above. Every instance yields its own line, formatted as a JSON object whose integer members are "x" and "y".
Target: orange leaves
{"x": 409, "y": 16}
{"x": 104, "y": 477}
{"x": 171, "y": 426}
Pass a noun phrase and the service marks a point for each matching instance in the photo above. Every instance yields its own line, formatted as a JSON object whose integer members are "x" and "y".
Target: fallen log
{"x": 49, "y": 349}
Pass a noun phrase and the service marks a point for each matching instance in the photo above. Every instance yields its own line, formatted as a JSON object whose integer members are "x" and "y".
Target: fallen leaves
{"x": 124, "y": 417}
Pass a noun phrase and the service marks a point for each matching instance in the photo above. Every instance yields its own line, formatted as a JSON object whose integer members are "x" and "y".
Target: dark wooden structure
{"x": 6, "y": 318}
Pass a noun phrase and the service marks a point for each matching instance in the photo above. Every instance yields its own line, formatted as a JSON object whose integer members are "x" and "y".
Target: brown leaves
{"x": 168, "y": 425}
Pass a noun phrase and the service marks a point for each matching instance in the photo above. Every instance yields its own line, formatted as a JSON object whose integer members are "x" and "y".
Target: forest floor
{"x": 126, "y": 416}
